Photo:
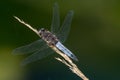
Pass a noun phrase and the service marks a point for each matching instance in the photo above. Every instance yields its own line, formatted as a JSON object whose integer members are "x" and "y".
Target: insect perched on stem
{"x": 55, "y": 38}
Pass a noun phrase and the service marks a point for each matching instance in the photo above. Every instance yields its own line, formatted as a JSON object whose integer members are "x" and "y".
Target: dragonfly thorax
{"x": 47, "y": 36}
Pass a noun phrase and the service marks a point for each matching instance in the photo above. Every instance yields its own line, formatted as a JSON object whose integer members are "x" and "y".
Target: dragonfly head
{"x": 42, "y": 30}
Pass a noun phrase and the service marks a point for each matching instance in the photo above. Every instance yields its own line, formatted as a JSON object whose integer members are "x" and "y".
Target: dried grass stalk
{"x": 68, "y": 62}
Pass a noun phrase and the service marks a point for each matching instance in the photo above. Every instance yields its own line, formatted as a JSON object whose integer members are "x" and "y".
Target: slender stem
{"x": 68, "y": 62}
{"x": 27, "y": 25}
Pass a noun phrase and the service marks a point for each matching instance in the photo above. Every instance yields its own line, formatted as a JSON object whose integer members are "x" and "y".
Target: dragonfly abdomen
{"x": 66, "y": 51}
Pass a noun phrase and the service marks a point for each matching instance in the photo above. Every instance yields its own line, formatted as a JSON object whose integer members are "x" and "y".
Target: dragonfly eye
{"x": 42, "y": 29}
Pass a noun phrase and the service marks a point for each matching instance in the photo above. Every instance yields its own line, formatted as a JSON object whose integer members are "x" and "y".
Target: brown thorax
{"x": 50, "y": 38}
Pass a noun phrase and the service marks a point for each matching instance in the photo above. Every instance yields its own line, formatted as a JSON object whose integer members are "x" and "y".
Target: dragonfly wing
{"x": 30, "y": 48}
{"x": 62, "y": 34}
{"x": 37, "y": 55}
{"x": 55, "y": 19}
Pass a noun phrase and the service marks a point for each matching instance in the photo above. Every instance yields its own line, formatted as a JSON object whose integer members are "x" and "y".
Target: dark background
{"x": 94, "y": 38}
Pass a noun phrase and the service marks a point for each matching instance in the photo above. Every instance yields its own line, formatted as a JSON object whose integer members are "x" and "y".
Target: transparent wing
{"x": 30, "y": 48}
{"x": 62, "y": 34}
{"x": 42, "y": 53}
{"x": 55, "y": 19}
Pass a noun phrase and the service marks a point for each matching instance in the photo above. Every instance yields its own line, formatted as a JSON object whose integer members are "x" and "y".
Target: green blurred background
{"x": 94, "y": 38}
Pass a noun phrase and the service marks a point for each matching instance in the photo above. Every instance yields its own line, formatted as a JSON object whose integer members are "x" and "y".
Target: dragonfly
{"x": 55, "y": 38}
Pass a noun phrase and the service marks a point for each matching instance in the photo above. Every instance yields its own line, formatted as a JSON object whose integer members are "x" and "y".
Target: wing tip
{"x": 71, "y": 12}
{"x": 24, "y": 62}
{"x": 55, "y": 4}
{"x": 14, "y": 52}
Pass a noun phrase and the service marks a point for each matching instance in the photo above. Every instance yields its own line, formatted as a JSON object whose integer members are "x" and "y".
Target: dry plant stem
{"x": 29, "y": 26}
{"x": 67, "y": 61}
